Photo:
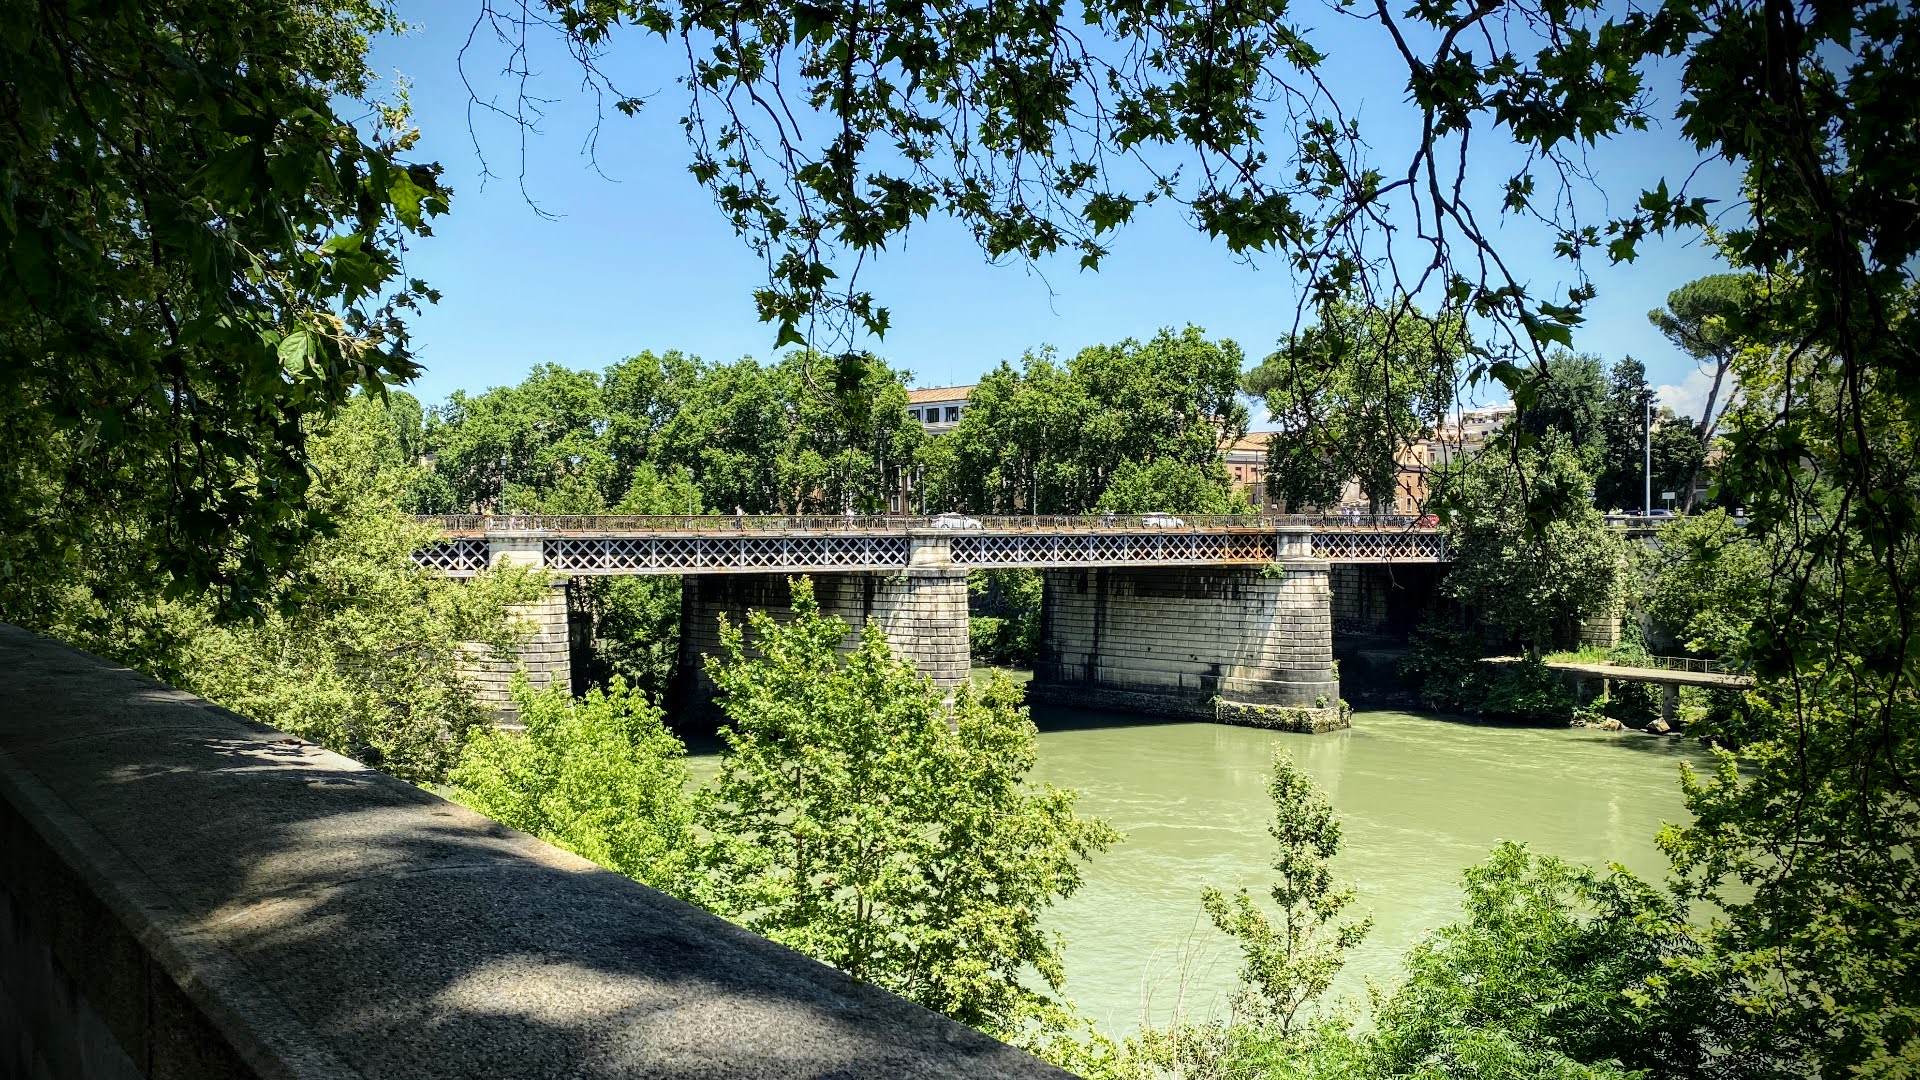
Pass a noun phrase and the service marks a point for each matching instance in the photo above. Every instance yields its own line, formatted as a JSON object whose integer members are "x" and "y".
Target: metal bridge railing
{"x": 472, "y": 524}
{"x": 1688, "y": 663}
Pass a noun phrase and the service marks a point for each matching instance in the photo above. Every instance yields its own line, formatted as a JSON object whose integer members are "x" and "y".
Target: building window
{"x": 953, "y": 413}
{"x": 914, "y": 415}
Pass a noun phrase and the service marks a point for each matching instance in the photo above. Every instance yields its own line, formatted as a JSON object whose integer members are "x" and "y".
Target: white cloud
{"x": 1689, "y": 396}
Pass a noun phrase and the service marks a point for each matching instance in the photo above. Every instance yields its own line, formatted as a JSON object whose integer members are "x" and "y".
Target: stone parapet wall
{"x": 922, "y": 612}
{"x": 1188, "y": 635}
{"x": 185, "y": 893}
{"x": 1604, "y": 630}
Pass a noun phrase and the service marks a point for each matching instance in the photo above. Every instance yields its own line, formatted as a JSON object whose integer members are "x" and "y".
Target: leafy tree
{"x": 1290, "y": 961}
{"x": 1700, "y": 318}
{"x": 600, "y": 776}
{"x": 1351, "y": 394}
{"x": 1678, "y": 458}
{"x": 1556, "y": 970}
{"x": 849, "y": 439}
{"x": 641, "y": 395}
{"x": 1804, "y": 838}
{"x": 364, "y": 656}
{"x": 1707, "y": 581}
{"x": 200, "y": 260}
{"x": 532, "y": 447}
{"x": 1620, "y": 480}
{"x": 1533, "y": 579}
{"x": 1051, "y": 438}
{"x": 793, "y": 438}
{"x": 1572, "y": 400}
{"x": 859, "y": 819}
{"x": 1176, "y": 486}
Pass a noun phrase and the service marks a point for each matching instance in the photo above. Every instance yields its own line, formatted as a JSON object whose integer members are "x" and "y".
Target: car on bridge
{"x": 956, "y": 521}
{"x": 1162, "y": 521}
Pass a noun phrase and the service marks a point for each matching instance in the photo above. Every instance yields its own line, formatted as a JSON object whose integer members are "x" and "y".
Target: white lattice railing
{"x": 1354, "y": 546}
{"x": 460, "y": 557}
{"x": 704, "y": 554}
{"x": 750, "y": 553}
{"x": 1107, "y": 549}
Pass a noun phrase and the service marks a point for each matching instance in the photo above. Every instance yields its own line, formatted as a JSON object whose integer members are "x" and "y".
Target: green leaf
{"x": 297, "y": 351}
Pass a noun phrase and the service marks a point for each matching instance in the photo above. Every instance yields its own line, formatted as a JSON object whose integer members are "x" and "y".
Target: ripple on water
{"x": 1419, "y": 798}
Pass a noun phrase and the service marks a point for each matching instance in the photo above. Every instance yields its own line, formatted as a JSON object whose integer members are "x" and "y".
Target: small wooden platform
{"x": 1662, "y": 676}
{"x": 1669, "y": 682}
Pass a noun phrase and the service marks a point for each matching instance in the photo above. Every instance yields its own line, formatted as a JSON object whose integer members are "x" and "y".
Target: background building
{"x": 938, "y": 408}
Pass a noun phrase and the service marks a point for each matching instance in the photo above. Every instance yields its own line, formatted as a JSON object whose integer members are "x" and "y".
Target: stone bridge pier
{"x": 1239, "y": 645}
{"x": 922, "y": 612}
{"x": 545, "y": 654}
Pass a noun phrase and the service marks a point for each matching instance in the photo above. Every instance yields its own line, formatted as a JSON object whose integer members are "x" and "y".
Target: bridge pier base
{"x": 1235, "y": 645}
{"x": 922, "y": 612}
{"x": 546, "y": 653}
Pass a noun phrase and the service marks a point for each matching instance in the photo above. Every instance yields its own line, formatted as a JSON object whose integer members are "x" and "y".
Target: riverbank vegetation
{"x": 856, "y": 816}
{"x": 203, "y": 216}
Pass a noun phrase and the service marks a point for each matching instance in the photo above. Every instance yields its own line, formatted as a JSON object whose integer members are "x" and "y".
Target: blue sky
{"x": 636, "y": 257}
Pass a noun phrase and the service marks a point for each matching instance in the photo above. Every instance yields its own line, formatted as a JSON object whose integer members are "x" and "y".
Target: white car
{"x": 956, "y": 521}
{"x": 1162, "y": 521}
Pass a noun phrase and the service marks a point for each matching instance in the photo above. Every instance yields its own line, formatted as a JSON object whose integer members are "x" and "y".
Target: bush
{"x": 1444, "y": 668}
{"x": 1527, "y": 690}
{"x": 861, "y": 819}
{"x": 1005, "y": 630}
{"x": 1447, "y": 674}
{"x": 600, "y": 776}
{"x": 1557, "y": 971}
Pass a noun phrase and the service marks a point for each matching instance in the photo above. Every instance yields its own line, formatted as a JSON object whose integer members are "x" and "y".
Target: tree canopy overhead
{"x": 202, "y": 254}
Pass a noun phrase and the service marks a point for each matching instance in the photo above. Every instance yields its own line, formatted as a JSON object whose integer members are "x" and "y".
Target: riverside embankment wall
{"x": 187, "y": 893}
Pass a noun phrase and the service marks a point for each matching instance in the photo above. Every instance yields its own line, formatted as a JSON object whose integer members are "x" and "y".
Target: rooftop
{"x": 925, "y": 394}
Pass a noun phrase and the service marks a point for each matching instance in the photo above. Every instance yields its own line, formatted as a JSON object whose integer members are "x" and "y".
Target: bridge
{"x": 1229, "y": 618}
{"x": 1669, "y": 673}
{"x": 717, "y": 544}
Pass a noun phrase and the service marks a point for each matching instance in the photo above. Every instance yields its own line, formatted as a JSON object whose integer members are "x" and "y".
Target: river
{"x": 1419, "y": 798}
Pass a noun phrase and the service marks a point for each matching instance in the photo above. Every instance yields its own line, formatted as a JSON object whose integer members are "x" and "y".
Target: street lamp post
{"x": 1648, "y": 504}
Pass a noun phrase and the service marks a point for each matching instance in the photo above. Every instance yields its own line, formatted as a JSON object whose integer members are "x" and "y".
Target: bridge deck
{"x": 699, "y": 544}
{"x": 635, "y": 525}
{"x": 1713, "y": 680}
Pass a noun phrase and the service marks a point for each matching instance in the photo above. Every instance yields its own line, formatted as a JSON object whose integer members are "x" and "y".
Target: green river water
{"x": 1419, "y": 798}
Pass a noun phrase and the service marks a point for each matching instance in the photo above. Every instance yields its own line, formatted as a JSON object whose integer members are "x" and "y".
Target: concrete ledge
{"x": 1306, "y": 720}
{"x": 187, "y": 893}
{"x": 1081, "y": 696}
